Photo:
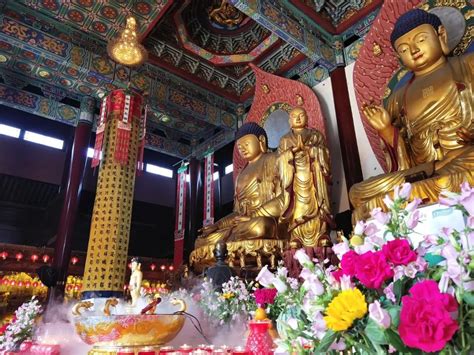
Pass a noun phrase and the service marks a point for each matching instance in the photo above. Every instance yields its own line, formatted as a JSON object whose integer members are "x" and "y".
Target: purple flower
{"x": 413, "y": 219}
{"x": 405, "y": 191}
{"x": 379, "y": 315}
{"x": 467, "y": 198}
{"x": 470, "y": 222}
{"x": 388, "y": 201}
{"x": 388, "y": 291}
{"x": 340, "y": 249}
{"x": 302, "y": 257}
{"x": 380, "y": 216}
{"x": 370, "y": 229}
{"x": 413, "y": 205}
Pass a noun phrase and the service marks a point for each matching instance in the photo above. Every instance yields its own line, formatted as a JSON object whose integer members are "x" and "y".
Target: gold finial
{"x": 126, "y": 49}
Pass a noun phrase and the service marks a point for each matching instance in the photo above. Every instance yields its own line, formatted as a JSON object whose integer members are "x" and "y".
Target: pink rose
{"x": 372, "y": 269}
{"x": 425, "y": 319}
{"x": 399, "y": 252}
{"x": 348, "y": 263}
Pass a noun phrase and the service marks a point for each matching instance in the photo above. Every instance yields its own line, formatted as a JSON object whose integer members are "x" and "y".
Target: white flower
{"x": 265, "y": 277}
{"x": 341, "y": 248}
{"x": 302, "y": 257}
{"x": 279, "y": 285}
{"x": 359, "y": 228}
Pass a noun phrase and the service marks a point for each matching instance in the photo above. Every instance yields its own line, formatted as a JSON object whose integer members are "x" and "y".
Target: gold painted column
{"x": 118, "y": 136}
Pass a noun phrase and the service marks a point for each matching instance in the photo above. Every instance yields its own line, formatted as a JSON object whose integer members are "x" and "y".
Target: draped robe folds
{"x": 256, "y": 197}
{"x": 427, "y": 144}
{"x": 304, "y": 177}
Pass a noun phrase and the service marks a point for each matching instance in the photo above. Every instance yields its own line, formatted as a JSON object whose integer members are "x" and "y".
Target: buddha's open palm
{"x": 377, "y": 116}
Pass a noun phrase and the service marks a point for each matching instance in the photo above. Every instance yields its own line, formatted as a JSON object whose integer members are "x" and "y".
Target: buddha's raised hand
{"x": 377, "y": 116}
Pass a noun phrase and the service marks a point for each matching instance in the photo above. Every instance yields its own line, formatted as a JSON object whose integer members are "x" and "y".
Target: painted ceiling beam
{"x": 278, "y": 18}
{"x": 57, "y": 111}
{"x": 64, "y": 62}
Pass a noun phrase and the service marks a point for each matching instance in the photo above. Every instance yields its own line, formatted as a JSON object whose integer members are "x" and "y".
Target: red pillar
{"x": 345, "y": 127}
{"x": 77, "y": 165}
{"x": 195, "y": 204}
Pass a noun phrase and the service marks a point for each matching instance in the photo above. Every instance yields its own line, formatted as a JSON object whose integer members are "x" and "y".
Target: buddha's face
{"x": 250, "y": 147}
{"x": 298, "y": 118}
{"x": 420, "y": 48}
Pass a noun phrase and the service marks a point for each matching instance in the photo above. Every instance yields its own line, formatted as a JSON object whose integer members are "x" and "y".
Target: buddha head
{"x": 420, "y": 40}
{"x": 135, "y": 264}
{"x": 251, "y": 140}
{"x": 298, "y": 118}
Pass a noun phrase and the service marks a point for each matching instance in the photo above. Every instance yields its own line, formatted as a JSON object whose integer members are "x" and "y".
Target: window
{"x": 158, "y": 170}
{"x": 44, "y": 140}
{"x": 215, "y": 176}
{"x": 9, "y": 131}
{"x": 229, "y": 169}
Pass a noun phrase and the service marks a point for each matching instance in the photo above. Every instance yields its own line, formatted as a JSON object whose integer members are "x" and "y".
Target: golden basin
{"x": 129, "y": 330}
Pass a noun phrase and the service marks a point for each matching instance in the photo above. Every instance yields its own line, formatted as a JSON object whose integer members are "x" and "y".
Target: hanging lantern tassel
{"x": 99, "y": 134}
{"x": 141, "y": 139}
{"x": 124, "y": 128}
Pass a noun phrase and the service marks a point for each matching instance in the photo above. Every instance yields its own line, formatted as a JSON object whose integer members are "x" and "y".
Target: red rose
{"x": 348, "y": 263}
{"x": 425, "y": 319}
{"x": 372, "y": 269}
{"x": 399, "y": 252}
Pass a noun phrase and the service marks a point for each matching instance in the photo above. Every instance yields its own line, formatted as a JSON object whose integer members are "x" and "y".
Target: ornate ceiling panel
{"x": 53, "y": 53}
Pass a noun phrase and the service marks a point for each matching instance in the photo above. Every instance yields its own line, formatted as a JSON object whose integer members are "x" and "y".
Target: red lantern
{"x": 163, "y": 267}
{"x": 76, "y": 288}
{"x": 20, "y": 284}
{"x": 34, "y": 258}
{"x": 171, "y": 268}
{"x": 74, "y": 260}
{"x": 18, "y": 256}
{"x": 35, "y": 284}
{"x": 152, "y": 267}
{"x": 5, "y": 281}
{"x": 28, "y": 284}
{"x": 12, "y": 282}
{"x": 3, "y": 255}
{"x": 45, "y": 258}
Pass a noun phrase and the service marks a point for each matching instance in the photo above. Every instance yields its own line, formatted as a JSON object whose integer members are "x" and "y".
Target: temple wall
{"x": 370, "y": 165}
{"x": 340, "y": 201}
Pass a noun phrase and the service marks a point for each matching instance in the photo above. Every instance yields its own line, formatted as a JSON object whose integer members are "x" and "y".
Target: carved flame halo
{"x": 126, "y": 49}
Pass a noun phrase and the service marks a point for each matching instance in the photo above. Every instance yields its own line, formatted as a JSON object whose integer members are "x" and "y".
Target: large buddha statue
{"x": 305, "y": 175}
{"x": 257, "y": 205}
{"x": 427, "y": 125}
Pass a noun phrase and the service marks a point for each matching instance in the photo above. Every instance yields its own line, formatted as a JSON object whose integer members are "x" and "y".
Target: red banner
{"x": 208, "y": 217}
{"x": 99, "y": 134}
{"x": 180, "y": 226}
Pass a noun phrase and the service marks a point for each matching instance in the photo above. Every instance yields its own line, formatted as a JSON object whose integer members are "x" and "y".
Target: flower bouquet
{"x": 20, "y": 328}
{"x": 395, "y": 290}
{"x": 235, "y": 300}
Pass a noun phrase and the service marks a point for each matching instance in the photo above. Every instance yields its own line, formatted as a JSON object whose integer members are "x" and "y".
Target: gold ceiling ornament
{"x": 126, "y": 49}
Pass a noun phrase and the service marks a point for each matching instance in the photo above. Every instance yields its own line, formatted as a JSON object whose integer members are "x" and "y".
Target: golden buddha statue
{"x": 257, "y": 206}
{"x": 427, "y": 125}
{"x": 304, "y": 170}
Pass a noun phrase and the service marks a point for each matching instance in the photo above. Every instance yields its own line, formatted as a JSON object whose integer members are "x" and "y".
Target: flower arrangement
{"x": 233, "y": 301}
{"x": 21, "y": 326}
{"x": 394, "y": 290}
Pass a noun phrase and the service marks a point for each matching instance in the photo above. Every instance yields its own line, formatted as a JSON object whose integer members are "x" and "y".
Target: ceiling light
{"x": 126, "y": 49}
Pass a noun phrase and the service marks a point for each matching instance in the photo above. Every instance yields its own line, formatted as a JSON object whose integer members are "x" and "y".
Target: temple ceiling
{"x": 53, "y": 53}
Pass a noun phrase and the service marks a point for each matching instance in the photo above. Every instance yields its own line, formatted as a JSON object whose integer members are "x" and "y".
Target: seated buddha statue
{"x": 427, "y": 124}
{"x": 257, "y": 205}
{"x": 304, "y": 171}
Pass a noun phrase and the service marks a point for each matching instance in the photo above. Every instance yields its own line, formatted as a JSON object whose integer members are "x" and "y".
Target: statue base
{"x": 428, "y": 190}
{"x": 242, "y": 254}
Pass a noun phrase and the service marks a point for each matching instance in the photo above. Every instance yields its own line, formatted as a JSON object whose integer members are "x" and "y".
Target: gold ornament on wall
{"x": 376, "y": 49}
{"x": 265, "y": 88}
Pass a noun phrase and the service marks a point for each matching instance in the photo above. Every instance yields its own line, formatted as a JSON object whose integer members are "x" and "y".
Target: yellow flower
{"x": 227, "y": 295}
{"x": 344, "y": 309}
